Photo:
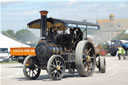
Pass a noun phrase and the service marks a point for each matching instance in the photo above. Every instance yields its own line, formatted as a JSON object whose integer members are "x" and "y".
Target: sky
{"x": 15, "y": 14}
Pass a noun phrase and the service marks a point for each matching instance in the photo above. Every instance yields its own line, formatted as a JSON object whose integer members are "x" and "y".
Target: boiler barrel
{"x": 46, "y": 50}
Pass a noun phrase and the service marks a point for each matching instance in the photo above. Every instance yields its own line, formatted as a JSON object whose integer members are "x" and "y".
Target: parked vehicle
{"x": 4, "y": 54}
{"x": 20, "y": 53}
{"x": 114, "y": 47}
{"x": 125, "y": 45}
{"x": 115, "y": 44}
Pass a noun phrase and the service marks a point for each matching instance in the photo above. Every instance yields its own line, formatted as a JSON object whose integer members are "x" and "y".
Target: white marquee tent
{"x": 6, "y": 42}
{"x": 126, "y": 32}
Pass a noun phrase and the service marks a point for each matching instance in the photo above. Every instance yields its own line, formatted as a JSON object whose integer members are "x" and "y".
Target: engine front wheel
{"x": 31, "y": 68}
{"x": 56, "y": 67}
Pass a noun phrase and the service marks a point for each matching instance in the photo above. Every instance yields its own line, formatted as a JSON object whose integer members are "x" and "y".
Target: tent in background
{"x": 126, "y": 32}
{"x": 6, "y": 42}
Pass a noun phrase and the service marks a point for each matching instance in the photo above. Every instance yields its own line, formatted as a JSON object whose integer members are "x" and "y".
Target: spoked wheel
{"x": 102, "y": 64}
{"x": 85, "y": 58}
{"x": 31, "y": 68}
{"x": 56, "y": 67}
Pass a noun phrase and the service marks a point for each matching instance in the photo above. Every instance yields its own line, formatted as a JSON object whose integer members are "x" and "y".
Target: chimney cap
{"x": 43, "y": 12}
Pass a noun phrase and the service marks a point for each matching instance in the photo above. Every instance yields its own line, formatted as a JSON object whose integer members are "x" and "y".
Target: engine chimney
{"x": 43, "y": 24}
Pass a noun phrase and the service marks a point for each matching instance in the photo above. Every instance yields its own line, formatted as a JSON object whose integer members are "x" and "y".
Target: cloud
{"x": 79, "y": 10}
{"x": 74, "y": 1}
{"x": 8, "y": 1}
{"x": 123, "y": 5}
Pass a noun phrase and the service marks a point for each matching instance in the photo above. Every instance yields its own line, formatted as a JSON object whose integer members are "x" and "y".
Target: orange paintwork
{"x": 22, "y": 51}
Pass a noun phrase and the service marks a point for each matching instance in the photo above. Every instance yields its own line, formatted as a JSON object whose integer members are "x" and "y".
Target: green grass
{"x": 10, "y": 62}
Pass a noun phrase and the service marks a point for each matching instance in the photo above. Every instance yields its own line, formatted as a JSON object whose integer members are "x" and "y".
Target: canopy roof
{"x": 61, "y": 24}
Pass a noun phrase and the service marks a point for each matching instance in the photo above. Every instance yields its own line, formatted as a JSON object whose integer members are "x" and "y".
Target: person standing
{"x": 121, "y": 52}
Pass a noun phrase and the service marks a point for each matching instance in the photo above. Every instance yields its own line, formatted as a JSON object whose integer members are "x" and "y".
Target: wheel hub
{"x": 27, "y": 65}
{"x": 88, "y": 58}
{"x": 58, "y": 67}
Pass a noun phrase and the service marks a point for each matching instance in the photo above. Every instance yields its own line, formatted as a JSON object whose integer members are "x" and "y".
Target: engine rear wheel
{"x": 30, "y": 68}
{"x": 85, "y": 58}
{"x": 56, "y": 67}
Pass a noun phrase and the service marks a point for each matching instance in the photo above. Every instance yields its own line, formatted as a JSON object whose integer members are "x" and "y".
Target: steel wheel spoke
{"x": 58, "y": 74}
{"x": 60, "y": 63}
{"x": 54, "y": 75}
{"x": 33, "y": 72}
{"x": 53, "y": 72}
{"x": 61, "y": 67}
{"x": 55, "y": 61}
{"x": 53, "y": 65}
{"x": 88, "y": 64}
{"x": 30, "y": 73}
{"x": 89, "y": 51}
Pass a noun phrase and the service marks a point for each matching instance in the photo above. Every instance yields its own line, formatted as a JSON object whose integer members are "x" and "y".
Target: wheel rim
{"x": 32, "y": 70}
{"x": 88, "y": 58}
{"x": 56, "y": 68}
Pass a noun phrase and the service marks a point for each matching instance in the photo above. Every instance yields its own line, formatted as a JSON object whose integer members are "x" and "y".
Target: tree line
{"x": 22, "y": 35}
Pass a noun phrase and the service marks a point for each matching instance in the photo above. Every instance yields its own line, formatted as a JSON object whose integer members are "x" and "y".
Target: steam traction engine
{"x": 63, "y": 45}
